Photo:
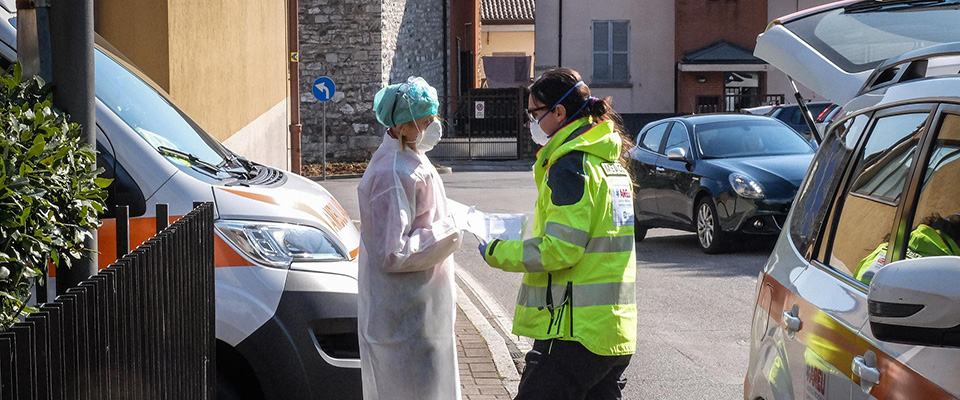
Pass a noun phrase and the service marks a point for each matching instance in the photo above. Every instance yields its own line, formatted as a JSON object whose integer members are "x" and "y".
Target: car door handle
{"x": 660, "y": 169}
{"x": 865, "y": 367}
{"x": 792, "y": 321}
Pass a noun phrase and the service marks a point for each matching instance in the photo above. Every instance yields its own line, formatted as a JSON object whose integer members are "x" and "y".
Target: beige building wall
{"x": 138, "y": 28}
{"x": 651, "y": 87}
{"x": 224, "y": 62}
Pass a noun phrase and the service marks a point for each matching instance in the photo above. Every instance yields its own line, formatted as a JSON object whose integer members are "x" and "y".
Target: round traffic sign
{"x": 324, "y": 88}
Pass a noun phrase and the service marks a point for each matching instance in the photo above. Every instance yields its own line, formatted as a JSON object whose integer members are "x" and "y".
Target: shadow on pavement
{"x": 682, "y": 253}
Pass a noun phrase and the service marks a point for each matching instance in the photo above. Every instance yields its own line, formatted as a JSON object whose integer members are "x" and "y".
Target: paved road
{"x": 694, "y": 309}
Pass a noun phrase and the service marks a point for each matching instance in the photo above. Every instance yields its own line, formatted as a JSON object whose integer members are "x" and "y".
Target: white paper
{"x": 486, "y": 227}
{"x": 505, "y": 226}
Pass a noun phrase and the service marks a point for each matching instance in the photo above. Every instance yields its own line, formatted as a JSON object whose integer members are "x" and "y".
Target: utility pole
{"x": 293, "y": 42}
{"x": 55, "y": 38}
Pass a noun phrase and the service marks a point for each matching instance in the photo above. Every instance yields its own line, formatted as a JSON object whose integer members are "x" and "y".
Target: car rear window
{"x": 860, "y": 36}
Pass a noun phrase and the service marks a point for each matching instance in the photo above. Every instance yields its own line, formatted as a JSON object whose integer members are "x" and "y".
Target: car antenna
{"x": 811, "y": 124}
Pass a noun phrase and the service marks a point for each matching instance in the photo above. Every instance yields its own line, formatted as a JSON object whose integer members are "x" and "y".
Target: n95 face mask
{"x": 430, "y": 137}
{"x": 539, "y": 136}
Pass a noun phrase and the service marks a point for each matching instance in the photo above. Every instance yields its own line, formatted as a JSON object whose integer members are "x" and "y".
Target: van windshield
{"x": 860, "y": 36}
{"x": 150, "y": 115}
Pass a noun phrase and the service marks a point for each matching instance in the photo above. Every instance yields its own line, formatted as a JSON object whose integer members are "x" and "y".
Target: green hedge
{"x": 50, "y": 195}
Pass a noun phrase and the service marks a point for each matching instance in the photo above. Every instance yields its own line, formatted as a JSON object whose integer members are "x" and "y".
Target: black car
{"x": 717, "y": 175}
{"x": 791, "y": 115}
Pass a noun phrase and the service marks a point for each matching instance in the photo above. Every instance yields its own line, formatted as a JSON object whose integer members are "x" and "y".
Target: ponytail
{"x": 602, "y": 110}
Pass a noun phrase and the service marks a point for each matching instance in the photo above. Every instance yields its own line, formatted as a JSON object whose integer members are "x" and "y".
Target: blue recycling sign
{"x": 324, "y": 88}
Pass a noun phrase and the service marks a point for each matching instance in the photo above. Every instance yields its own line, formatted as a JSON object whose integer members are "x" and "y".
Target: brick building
{"x": 659, "y": 57}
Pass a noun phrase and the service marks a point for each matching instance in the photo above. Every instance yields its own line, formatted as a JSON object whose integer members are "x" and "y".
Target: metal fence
{"x": 487, "y": 124}
{"x": 735, "y": 102}
{"x": 142, "y": 328}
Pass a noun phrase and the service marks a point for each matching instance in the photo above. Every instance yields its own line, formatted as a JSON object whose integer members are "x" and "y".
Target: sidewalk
{"x": 485, "y": 165}
{"x": 486, "y": 370}
{"x": 478, "y": 373}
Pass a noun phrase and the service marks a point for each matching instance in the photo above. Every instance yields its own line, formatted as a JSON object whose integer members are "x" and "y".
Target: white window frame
{"x": 610, "y": 53}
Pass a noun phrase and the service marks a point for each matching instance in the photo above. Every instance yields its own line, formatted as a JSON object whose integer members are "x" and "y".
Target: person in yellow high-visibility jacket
{"x": 935, "y": 236}
{"x": 578, "y": 297}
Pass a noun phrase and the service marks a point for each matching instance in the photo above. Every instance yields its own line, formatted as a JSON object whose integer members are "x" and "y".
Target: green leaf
{"x": 17, "y": 74}
{"x": 103, "y": 183}
{"x": 31, "y": 273}
{"x": 37, "y": 148}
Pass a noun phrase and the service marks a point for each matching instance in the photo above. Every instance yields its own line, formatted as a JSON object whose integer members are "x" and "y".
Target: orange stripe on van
{"x": 897, "y": 381}
{"x": 293, "y": 204}
{"x": 333, "y": 214}
{"x": 141, "y": 230}
{"x": 226, "y": 256}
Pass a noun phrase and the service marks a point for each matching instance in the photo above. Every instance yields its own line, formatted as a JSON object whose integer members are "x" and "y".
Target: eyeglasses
{"x": 530, "y": 112}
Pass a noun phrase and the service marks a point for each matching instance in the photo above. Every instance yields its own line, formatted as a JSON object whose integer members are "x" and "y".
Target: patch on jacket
{"x": 567, "y": 179}
{"x": 622, "y": 201}
{"x": 614, "y": 169}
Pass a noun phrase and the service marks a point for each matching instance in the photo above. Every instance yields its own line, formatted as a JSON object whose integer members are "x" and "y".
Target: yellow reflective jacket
{"x": 582, "y": 245}
{"x": 924, "y": 242}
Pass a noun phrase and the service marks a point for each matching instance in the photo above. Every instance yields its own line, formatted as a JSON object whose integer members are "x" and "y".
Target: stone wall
{"x": 413, "y": 41}
{"x": 362, "y": 45}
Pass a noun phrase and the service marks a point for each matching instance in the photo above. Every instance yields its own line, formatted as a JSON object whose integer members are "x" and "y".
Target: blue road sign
{"x": 324, "y": 88}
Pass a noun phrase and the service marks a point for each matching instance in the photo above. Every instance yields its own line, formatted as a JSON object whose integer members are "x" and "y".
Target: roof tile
{"x": 507, "y": 10}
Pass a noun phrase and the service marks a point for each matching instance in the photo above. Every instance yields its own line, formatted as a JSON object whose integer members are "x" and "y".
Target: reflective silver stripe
{"x": 593, "y": 294}
{"x": 614, "y": 244}
{"x": 531, "y": 255}
{"x": 567, "y": 234}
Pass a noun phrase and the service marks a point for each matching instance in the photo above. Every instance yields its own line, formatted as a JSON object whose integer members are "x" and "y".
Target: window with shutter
{"x": 611, "y": 54}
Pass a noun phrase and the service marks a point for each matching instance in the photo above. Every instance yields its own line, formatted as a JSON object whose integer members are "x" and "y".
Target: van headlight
{"x": 278, "y": 244}
{"x": 746, "y": 186}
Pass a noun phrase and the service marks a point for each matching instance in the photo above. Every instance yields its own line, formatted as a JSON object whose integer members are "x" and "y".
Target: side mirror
{"x": 917, "y": 302}
{"x": 677, "y": 154}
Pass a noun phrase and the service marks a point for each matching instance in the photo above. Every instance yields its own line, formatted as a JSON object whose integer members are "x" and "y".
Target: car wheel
{"x": 709, "y": 234}
{"x": 227, "y": 389}
{"x": 639, "y": 233}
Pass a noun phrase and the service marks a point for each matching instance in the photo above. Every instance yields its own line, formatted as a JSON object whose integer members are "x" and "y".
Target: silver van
{"x": 861, "y": 296}
{"x": 285, "y": 250}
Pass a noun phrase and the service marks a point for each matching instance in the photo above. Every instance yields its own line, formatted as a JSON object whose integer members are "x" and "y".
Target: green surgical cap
{"x": 405, "y": 102}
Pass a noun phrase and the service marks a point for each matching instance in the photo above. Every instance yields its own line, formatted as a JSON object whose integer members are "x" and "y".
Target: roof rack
{"x": 908, "y": 66}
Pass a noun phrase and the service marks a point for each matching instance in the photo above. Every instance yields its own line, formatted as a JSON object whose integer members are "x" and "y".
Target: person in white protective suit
{"x": 407, "y": 302}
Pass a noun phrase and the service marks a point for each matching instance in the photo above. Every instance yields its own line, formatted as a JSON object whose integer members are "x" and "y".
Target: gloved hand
{"x": 483, "y": 249}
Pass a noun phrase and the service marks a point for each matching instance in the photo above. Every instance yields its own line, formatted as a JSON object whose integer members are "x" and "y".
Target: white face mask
{"x": 539, "y": 136}
{"x": 430, "y": 137}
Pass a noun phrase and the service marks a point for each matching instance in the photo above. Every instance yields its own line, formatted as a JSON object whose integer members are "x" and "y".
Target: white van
{"x": 286, "y": 270}
{"x": 861, "y": 296}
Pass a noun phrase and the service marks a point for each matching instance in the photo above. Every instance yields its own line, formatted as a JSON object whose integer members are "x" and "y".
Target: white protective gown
{"x": 407, "y": 303}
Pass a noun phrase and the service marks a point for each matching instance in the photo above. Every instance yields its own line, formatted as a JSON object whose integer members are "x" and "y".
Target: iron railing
{"x": 497, "y": 131}
{"x": 143, "y": 328}
{"x": 735, "y": 102}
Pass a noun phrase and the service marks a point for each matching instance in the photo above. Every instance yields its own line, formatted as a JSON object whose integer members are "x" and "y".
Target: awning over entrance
{"x": 721, "y": 56}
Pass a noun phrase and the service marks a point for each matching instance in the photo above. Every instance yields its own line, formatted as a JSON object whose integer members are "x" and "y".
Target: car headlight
{"x": 278, "y": 244}
{"x": 746, "y": 186}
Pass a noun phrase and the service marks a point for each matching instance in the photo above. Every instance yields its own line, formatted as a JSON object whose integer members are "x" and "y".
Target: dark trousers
{"x": 559, "y": 369}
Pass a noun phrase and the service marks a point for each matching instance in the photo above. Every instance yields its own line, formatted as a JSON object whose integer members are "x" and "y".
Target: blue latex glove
{"x": 483, "y": 250}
